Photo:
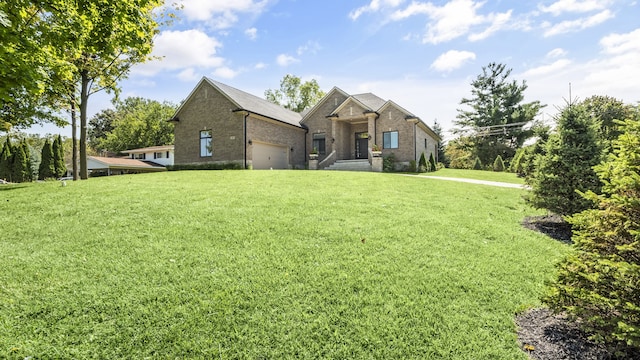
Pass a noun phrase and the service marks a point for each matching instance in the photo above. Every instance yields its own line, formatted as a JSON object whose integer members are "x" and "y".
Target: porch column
{"x": 371, "y": 122}
{"x": 333, "y": 133}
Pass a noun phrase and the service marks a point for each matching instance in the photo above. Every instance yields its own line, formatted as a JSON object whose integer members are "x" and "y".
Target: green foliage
{"x": 422, "y": 164}
{"x": 605, "y": 111}
{"x": 432, "y": 163}
{"x": 566, "y": 168}
{"x": 6, "y": 160}
{"x": 58, "y": 157}
{"x": 20, "y": 168}
{"x": 136, "y": 123}
{"x": 100, "y": 125}
{"x": 477, "y": 164}
{"x": 497, "y": 107}
{"x": 599, "y": 282}
{"x": 389, "y": 163}
{"x": 459, "y": 153}
{"x": 412, "y": 166}
{"x": 294, "y": 94}
{"x": 498, "y": 164}
{"x": 442, "y": 157}
{"x": 207, "y": 166}
{"x": 47, "y": 168}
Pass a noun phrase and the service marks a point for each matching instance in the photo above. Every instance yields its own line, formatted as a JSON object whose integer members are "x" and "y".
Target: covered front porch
{"x": 352, "y": 138}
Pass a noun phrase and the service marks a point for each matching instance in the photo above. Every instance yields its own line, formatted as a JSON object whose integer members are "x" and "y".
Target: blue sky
{"x": 420, "y": 54}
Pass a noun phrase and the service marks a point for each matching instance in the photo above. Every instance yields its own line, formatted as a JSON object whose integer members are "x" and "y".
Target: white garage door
{"x": 267, "y": 156}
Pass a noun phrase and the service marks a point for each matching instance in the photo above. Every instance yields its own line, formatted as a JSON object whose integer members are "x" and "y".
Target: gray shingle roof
{"x": 256, "y": 105}
{"x": 370, "y": 100}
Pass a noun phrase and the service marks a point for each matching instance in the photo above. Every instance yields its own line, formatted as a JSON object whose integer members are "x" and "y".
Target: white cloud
{"x": 454, "y": 19}
{"x": 188, "y": 75}
{"x": 286, "y": 60}
{"x": 621, "y": 43}
{"x": 451, "y": 60}
{"x": 225, "y": 73}
{"x": 311, "y": 47}
{"x": 552, "y": 68}
{"x": 556, "y": 53}
{"x": 578, "y": 24}
{"x": 260, "y": 65}
{"x": 181, "y": 50}
{"x": 374, "y": 5}
{"x": 564, "y": 6}
{"x": 220, "y": 14}
{"x": 252, "y": 33}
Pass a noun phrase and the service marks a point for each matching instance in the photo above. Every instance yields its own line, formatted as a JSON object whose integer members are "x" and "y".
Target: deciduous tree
{"x": 294, "y": 94}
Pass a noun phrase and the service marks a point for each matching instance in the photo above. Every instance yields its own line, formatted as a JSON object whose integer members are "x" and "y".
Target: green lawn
{"x": 266, "y": 264}
{"x": 506, "y": 177}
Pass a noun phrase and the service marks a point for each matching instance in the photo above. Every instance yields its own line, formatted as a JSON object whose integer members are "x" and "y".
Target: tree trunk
{"x": 74, "y": 139}
{"x": 84, "y": 96}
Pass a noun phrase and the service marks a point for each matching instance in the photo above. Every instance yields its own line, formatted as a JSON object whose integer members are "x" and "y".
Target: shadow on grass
{"x": 7, "y": 187}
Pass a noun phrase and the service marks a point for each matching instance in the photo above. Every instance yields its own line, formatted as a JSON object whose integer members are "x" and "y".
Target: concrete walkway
{"x": 473, "y": 181}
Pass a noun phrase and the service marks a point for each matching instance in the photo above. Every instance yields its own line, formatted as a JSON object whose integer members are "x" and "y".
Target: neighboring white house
{"x": 151, "y": 159}
{"x": 161, "y": 155}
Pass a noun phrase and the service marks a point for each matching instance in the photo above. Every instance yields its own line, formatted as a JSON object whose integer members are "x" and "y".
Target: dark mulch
{"x": 547, "y": 336}
{"x": 544, "y": 335}
{"x": 553, "y": 226}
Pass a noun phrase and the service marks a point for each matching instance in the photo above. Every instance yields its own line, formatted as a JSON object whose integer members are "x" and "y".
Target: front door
{"x": 362, "y": 145}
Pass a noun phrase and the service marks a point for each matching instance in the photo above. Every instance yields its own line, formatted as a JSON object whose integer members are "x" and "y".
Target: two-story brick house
{"x": 219, "y": 123}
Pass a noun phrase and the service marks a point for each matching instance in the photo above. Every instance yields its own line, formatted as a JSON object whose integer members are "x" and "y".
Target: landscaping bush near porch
{"x": 266, "y": 264}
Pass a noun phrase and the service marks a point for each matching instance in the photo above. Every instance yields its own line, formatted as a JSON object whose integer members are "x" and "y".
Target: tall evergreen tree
{"x": 6, "y": 159}
{"x": 20, "y": 168}
{"x": 47, "y": 168}
{"x": 29, "y": 163}
{"x": 598, "y": 282}
{"x": 566, "y": 168}
{"x": 497, "y": 114}
{"x": 58, "y": 157}
{"x": 441, "y": 155}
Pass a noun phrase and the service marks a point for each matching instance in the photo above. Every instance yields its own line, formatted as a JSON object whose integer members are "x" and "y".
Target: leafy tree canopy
{"x": 497, "y": 118}
{"x": 294, "y": 94}
{"x": 136, "y": 123}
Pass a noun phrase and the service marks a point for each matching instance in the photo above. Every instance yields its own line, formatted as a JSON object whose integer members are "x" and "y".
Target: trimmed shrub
{"x": 208, "y": 166}
{"x": 477, "y": 165}
{"x": 412, "y": 166}
{"x": 422, "y": 164}
{"x": 599, "y": 282}
{"x": 47, "y": 169}
{"x": 58, "y": 158}
{"x": 432, "y": 163}
{"x": 20, "y": 169}
{"x": 6, "y": 161}
{"x": 389, "y": 163}
{"x": 498, "y": 164}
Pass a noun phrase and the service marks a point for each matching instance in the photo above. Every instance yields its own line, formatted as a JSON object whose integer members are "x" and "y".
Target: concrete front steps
{"x": 351, "y": 165}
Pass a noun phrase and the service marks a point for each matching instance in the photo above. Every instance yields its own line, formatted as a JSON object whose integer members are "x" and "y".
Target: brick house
{"x": 218, "y": 123}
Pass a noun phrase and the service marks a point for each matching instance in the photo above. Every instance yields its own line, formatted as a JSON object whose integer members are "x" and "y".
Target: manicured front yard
{"x": 486, "y": 175}
{"x": 266, "y": 264}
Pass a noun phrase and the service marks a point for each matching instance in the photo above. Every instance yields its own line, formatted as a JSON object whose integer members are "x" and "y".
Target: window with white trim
{"x": 206, "y": 143}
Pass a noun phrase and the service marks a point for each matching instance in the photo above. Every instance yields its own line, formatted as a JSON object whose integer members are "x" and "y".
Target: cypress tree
{"x": 27, "y": 152}
{"x": 432, "y": 162}
{"x": 20, "y": 167}
{"x": 498, "y": 164}
{"x": 422, "y": 164}
{"x": 5, "y": 161}
{"x": 58, "y": 157}
{"x": 477, "y": 165}
{"x": 47, "y": 168}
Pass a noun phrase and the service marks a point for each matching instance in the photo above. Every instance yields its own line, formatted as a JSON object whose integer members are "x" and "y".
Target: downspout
{"x": 415, "y": 142}
{"x": 245, "y": 138}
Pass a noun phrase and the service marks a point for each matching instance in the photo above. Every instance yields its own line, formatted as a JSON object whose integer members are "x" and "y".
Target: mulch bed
{"x": 547, "y": 336}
